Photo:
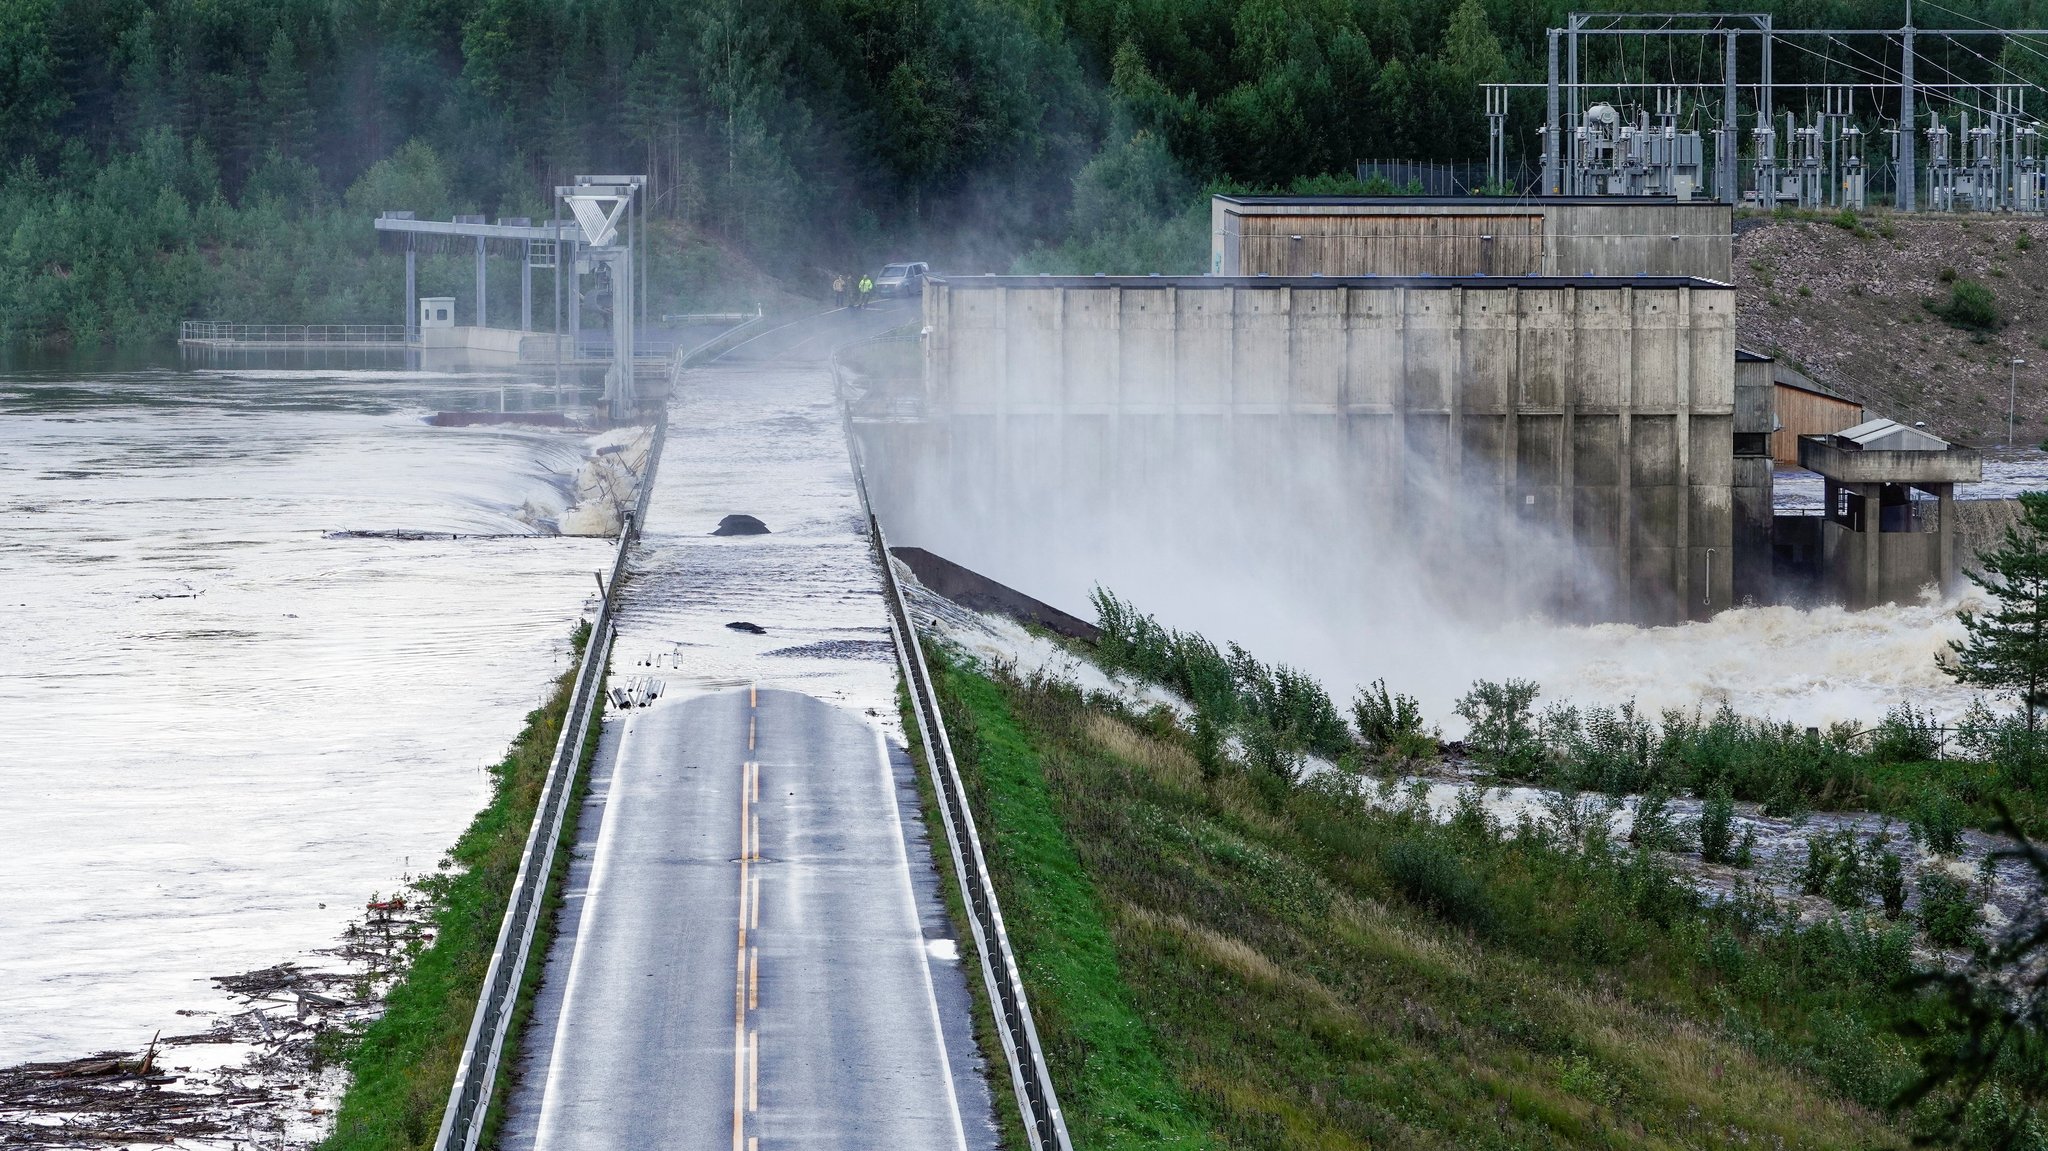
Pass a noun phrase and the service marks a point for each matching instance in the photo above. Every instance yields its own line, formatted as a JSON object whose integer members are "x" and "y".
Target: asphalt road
{"x": 751, "y": 964}
{"x": 814, "y": 337}
{"x": 753, "y": 949}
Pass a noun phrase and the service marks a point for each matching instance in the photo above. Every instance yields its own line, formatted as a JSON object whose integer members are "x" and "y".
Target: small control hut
{"x": 1890, "y": 505}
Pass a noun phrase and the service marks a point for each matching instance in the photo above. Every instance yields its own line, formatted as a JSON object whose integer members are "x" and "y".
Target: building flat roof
{"x": 1213, "y": 282}
{"x": 1460, "y": 201}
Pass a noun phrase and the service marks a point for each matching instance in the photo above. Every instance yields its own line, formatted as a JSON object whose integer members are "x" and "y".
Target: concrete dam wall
{"x": 1517, "y": 443}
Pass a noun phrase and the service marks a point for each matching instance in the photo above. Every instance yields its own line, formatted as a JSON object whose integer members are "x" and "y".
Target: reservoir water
{"x": 226, "y": 726}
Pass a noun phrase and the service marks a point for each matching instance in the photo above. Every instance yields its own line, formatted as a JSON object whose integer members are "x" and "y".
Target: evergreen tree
{"x": 285, "y": 110}
{"x": 2007, "y": 647}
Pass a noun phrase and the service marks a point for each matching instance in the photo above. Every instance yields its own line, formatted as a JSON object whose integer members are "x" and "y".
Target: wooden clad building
{"x": 1469, "y": 236}
{"x": 1805, "y": 408}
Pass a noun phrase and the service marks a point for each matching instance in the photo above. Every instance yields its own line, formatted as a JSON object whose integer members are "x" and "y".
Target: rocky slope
{"x": 1851, "y": 308}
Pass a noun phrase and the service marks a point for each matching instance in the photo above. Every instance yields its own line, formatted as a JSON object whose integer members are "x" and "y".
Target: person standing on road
{"x": 839, "y": 290}
{"x": 867, "y": 284}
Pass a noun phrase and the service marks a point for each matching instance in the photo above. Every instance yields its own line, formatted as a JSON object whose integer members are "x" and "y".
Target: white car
{"x": 901, "y": 279}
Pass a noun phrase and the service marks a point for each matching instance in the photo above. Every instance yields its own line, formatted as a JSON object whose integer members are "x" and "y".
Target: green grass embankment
{"x": 1213, "y": 963}
{"x": 402, "y": 1066}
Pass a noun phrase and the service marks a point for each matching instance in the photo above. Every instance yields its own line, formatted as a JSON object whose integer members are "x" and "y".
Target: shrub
{"x": 1840, "y": 868}
{"x": 1906, "y": 735}
{"x": 1948, "y": 908}
{"x": 1717, "y": 826}
{"x": 1846, "y": 220}
{"x": 1891, "y": 884}
{"x": 1852, "y": 948}
{"x": 1390, "y": 724}
{"x": 1503, "y": 734}
{"x": 1431, "y": 874}
{"x": 1946, "y": 275}
{"x": 1936, "y": 820}
{"x": 2024, "y": 242}
{"x": 1654, "y": 827}
{"x": 1745, "y": 849}
{"x": 1971, "y": 305}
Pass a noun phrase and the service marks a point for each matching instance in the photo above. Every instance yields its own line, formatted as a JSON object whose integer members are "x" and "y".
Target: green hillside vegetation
{"x": 1229, "y": 945}
{"x": 1221, "y": 957}
{"x": 165, "y": 159}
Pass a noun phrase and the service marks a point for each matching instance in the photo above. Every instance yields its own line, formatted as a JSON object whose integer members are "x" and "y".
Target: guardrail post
{"x": 476, "y": 1073}
{"x": 1030, "y": 1080}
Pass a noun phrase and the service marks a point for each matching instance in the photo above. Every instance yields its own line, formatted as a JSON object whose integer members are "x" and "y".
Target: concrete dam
{"x": 1565, "y": 444}
{"x": 1498, "y": 407}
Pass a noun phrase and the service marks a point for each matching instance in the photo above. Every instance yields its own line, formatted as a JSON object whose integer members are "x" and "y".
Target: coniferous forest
{"x": 172, "y": 159}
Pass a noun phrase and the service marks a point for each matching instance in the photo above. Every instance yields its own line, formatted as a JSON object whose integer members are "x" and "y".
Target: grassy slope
{"x": 1215, "y": 966}
{"x": 403, "y": 1065}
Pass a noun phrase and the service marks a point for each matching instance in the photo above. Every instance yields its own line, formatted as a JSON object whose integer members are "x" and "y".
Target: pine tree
{"x": 286, "y": 108}
{"x": 2007, "y": 647}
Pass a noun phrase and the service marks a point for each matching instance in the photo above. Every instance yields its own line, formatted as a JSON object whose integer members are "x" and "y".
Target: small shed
{"x": 1882, "y": 435}
{"x": 1805, "y": 408}
{"x": 1889, "y": 497}
{"x": 437, "y": 311}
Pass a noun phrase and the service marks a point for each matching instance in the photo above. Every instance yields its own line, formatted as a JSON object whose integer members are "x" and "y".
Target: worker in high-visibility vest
{"x": 867, "y": 285}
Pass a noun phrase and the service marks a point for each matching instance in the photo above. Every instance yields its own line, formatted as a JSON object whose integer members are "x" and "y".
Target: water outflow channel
{"x": 229, "y": 726}
{"x": 1778, "y": 853}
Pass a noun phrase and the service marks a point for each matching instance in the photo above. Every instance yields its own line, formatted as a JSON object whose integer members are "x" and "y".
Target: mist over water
{"x": 221, "y": 719}
{"x": 1289, "y": 556}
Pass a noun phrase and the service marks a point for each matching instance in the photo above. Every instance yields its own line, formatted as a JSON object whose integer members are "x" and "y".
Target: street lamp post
{"x": 2012, "y": 378}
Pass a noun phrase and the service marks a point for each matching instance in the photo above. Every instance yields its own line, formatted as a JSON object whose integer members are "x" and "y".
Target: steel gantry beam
{"x": 600, "y": 205}
{"x": 1565, "y": 161}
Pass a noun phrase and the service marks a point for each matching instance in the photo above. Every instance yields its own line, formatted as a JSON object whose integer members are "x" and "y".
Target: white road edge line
{"x": 600, "y": 867}
{"x": 924, "y": 959}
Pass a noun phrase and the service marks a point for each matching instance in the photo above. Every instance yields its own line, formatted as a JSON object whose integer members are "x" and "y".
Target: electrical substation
{"x": 1536, "y": 391}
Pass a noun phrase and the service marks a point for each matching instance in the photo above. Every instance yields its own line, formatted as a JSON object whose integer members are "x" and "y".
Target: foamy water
{"x": 228, "y": 729}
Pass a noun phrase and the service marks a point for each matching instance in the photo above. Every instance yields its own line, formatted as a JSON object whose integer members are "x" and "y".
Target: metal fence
{"x": 221, "y": 332}
{"x": 476, "y": 1075}
{"x": 1030, "y": 1079}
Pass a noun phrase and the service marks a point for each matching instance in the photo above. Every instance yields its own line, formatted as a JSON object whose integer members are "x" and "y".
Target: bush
{"x": 1431, "y": 874}
{"x": 1391, "y": 725}
{"x": 1937, "y": 819}
{"x": 1653, "y": 827}
{"x": 1971, "y": 305}
{"x": 1503, "y": 734}
{"x": 2024, "y": 242}
{"x": 1948, "y": 908}
{"x": 1906, "y": 735}
{"x": 1717, "y": 826}
{"x": 1891, "y": 884}
{"x": 1841, "y": 868}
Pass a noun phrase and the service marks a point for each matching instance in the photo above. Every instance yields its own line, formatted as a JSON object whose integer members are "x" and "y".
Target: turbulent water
{"x": 227, "y": 727}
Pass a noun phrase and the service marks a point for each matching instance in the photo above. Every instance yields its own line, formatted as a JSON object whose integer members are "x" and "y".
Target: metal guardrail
{"x": 1029, "y": 1076}
{"x": 222, "y": 332}
{"x": 713, "y": 317}
{"x": 476, "y": 1075}
{"x": 1030, "y": 1079}
{"x": 714, "y": 347}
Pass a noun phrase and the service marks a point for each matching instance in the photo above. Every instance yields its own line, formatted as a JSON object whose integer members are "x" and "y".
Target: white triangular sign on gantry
{"x": 600, "y": 225}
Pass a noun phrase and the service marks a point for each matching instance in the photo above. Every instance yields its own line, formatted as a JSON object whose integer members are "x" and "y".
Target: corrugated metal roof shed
{"x": 1882, "y": 435}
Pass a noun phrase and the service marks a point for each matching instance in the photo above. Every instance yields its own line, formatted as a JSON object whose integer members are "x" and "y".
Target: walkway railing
{"x": 476, "y": 1075}
{"x": 1030, "y": 1079}
{"x": 221, "y": 332}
